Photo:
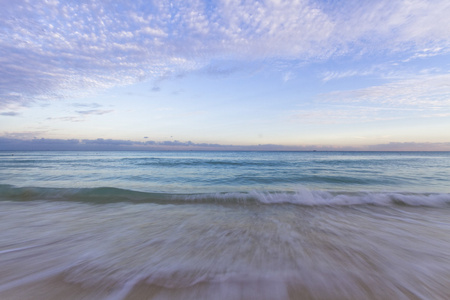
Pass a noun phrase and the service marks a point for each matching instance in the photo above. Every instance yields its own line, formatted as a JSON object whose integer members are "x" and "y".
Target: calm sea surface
{"x": 224, "y": 225}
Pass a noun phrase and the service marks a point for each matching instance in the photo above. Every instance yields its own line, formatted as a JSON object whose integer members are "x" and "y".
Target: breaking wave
{"x": 303, "y": 197}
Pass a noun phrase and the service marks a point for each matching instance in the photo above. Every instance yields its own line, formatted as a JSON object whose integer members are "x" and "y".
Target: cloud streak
{"x": 56, "y": 49}
{"x": 432, "y": 91}
{"x": 10, "y": 114}
{"x": 94, "y": 112}
{"x": 426, "y": 96}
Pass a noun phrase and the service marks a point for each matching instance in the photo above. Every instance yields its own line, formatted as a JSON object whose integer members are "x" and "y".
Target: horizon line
{"x": 43, "y": 144}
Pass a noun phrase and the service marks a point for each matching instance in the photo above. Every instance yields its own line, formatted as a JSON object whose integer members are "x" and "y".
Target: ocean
{"x": 224, "y": 225}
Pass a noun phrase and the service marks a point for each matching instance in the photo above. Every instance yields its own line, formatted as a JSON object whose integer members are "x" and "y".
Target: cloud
{"x": 429, "y": 91}
{"x": 19, "y": 144}
{"x": 424, "y": 96}
{"x": 82, "y": 115}
{"x": 59, "y": 49}
{"x": 340, "y": 115}
{"x": 10, "y": 114}
{"x": 68, "y": 119}
{"x": 215, "y": 70}
{"x": 287, "y": 76}
{"x": 90, "y": 105}
{"x": 25, "y": 141}
{"x": 94, "y": 112}
{"x": 333, "y": 75}
{"x": 110, "y": 142}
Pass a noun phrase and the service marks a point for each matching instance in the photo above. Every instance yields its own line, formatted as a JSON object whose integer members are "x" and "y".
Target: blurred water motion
{"x": 63, "y": 250}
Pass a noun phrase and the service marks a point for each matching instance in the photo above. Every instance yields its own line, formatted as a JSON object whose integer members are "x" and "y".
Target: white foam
{"x": 308, "y": 197}
{"x": 250, "y": 250}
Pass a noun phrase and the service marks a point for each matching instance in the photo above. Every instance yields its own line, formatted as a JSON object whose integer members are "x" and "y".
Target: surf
{"x": 302, "y": 197}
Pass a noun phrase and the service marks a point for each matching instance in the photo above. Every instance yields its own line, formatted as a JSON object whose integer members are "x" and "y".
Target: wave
{"x": 303, "y": 197}
{"x": 160, "y": 162}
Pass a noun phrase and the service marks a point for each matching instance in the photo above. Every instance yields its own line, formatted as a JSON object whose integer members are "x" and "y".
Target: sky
{"x": 225, "y": 75}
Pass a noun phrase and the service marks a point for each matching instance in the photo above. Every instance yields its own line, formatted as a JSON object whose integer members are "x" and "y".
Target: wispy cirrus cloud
{"x": 426, "y": 96}
{"x": 67, "y": 119}
{"x": 339, "y": 115}
{"x": 428, "y": 92}
{"x": 55, "y": 49}
{"x": 89, "y": 105}
{"x": 95, "y": 111}
{"x": 334, "y": 75}
{"x": 82, "y": 115}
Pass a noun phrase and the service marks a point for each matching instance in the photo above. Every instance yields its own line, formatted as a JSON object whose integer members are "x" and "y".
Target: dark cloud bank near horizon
{"x": 13, "y": 144}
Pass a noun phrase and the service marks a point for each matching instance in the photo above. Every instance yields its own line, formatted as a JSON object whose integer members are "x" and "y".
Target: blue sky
{"x": 287, "y": 75}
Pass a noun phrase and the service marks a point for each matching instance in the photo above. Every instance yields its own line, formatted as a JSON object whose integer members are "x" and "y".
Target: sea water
{"x": 224, "y": 225}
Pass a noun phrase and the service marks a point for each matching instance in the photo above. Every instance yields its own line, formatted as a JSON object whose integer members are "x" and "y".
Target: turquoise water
{"x": 216, "y": 172}
{"x": 224, "y": 225}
